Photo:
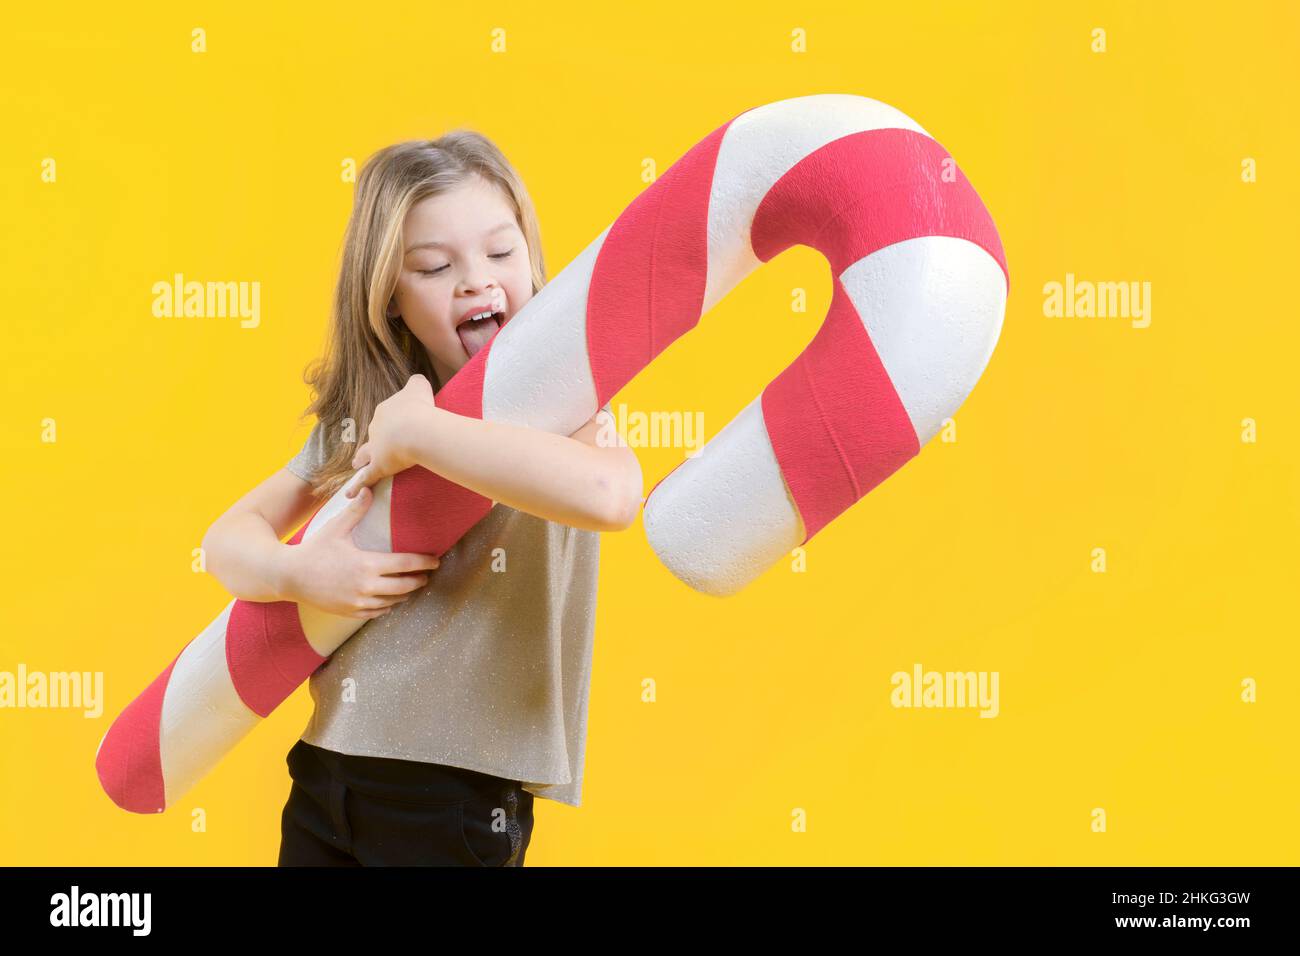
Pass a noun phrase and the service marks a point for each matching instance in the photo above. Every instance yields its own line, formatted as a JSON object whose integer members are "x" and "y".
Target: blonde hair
{"x": 369, "y": 356}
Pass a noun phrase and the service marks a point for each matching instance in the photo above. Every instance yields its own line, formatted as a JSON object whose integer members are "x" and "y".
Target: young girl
{"x": 465, "y": 694}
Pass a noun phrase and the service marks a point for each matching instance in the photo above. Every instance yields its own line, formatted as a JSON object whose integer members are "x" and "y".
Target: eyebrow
{"x": 442, "y": 245}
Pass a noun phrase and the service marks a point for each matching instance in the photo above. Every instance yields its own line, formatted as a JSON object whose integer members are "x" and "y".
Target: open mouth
{"x": 476, "y": 333}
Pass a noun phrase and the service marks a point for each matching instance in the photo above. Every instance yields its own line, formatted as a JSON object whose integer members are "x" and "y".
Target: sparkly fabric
{"x": 485, "y": 667}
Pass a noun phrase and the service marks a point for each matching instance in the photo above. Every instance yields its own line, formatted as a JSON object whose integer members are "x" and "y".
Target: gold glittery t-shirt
{"x": 485, "y": 667}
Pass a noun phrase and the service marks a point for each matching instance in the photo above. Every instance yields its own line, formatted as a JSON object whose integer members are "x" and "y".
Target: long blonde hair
{"x": 369, "y": 356}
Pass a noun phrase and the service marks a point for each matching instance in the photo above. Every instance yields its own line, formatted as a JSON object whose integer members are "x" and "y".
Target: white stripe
{"x": 725, "y": 516}
{"x": 325, "y": 632}
{"x": 201, "y": 717}
{"x": 538, "y": 371}
{"x": 758, "y": 148}
{"x": 933, "y": 307}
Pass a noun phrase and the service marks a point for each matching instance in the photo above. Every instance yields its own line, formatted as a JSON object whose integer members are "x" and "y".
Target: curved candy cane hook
{"x": 920, "y": 288}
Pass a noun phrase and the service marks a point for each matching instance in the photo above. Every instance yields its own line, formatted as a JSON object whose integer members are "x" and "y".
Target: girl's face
{"x": 464, "y": 254}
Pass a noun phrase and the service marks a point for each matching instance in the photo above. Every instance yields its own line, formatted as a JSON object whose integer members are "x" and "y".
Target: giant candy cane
{"x": 920, "y": 287}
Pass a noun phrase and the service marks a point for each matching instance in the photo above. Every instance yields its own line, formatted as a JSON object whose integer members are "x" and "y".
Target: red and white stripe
{"x": 920, "y": 288}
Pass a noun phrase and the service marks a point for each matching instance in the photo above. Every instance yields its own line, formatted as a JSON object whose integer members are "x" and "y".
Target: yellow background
{"x": 1119, "y": 691}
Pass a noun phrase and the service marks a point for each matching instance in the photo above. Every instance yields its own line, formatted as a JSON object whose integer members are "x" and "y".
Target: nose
{"x": 478, "y": 289}
{"x": 475, "y": 281}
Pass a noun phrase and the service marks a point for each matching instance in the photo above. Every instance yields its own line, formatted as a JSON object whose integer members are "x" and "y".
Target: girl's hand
{"x": 386, "y": 451}
{"x": 330, "y": 572}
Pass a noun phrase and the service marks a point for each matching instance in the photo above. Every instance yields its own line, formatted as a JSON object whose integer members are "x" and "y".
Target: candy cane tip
{"x": 114, "y": 783}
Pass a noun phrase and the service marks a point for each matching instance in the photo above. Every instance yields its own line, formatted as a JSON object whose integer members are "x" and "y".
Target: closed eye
{"x": 434, "y": 272}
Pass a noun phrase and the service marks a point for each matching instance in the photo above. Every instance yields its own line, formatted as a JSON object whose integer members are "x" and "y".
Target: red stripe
{"x": 866, "y": 191}
{"x": 267, "y": 653}
{"x": 647, "y": 289}
{"x": 428, "y": 513}
{"x": 648, "y": 282}
{"x": 834, "y": 418}
{"x": 129, "y": 764}
{"x": 835, "y": 421}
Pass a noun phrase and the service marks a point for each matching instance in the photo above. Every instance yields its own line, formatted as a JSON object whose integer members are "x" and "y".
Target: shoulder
{"x": 312, "y": 454}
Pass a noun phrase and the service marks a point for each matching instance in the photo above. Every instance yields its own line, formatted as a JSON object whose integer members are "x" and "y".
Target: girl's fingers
{"x": 401, "y": 562}
{"x": 399, "y": 584}
{"x": 359, "y": 480}
{"x": 382, "y": 602}
{"x": 350, "y": 516}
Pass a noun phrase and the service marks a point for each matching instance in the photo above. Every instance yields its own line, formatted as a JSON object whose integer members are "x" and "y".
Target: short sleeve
{"x": 311, "y": 457}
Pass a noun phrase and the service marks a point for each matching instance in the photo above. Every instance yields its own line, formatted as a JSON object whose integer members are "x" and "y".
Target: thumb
{"x": 351, "y": 516}
{"x": 422, "y": 386}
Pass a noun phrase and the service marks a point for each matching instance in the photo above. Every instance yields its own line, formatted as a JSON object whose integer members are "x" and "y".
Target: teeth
{"x": 482, "y": 315}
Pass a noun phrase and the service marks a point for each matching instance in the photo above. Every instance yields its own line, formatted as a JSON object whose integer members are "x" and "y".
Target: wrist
{"x": 284, "y": 573}
{"x": 422, "y": 431}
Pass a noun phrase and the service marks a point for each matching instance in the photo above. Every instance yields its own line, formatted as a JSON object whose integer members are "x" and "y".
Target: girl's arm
{"x": 576, "y": 480}
{"x": 242, "y": 548}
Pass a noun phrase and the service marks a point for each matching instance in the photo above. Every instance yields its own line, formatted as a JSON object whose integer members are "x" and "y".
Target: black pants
{"x": 345, "y": 810}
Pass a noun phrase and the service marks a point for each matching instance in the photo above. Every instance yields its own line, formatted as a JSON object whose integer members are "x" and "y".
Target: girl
{"x": 465, "y": 693}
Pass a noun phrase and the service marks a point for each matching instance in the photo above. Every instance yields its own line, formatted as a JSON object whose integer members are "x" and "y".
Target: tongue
{"x": 474, "y": 335}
